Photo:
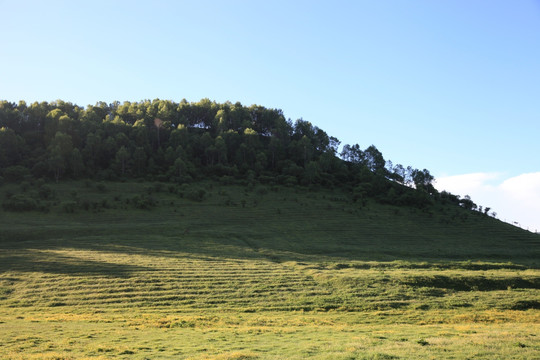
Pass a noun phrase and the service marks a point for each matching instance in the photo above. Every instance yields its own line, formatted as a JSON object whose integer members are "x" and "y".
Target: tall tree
{"x": 375, "y": 160}
{"x": 139, "y": 157}
{"x": 122, "y": 156}
{"x": 423, "y": 180}
{"x": 76, "y": 163}
{"x": 59, "y": 150}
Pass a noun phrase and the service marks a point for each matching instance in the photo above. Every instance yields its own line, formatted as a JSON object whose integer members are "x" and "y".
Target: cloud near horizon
{"x": 515, "y": 199}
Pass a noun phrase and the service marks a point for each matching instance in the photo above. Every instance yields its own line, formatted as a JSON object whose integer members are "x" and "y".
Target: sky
{"x": 450, "y": 86}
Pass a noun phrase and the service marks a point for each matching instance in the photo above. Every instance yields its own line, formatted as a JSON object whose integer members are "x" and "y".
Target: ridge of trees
{"x": 187, "y": 141}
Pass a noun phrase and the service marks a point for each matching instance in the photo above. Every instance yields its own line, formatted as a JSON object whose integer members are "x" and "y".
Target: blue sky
{"x": 451, "y": 86}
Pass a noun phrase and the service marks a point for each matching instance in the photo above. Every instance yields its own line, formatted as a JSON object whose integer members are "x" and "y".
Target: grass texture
{"x": 261, "y": 272}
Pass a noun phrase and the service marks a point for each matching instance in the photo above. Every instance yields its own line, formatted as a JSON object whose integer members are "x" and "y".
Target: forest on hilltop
{"x": 161, "y": 140}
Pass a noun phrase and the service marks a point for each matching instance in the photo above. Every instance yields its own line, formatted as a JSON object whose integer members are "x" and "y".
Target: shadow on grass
{"x": 473, "y": 283}
{"x": 35, "y": 261}
{"x": 267, "y": 237}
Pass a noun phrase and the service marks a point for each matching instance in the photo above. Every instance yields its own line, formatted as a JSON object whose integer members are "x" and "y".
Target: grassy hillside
{"x": 154, "y": 270}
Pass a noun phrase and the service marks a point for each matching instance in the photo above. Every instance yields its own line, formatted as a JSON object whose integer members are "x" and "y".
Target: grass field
{"x": 260, "y": 273}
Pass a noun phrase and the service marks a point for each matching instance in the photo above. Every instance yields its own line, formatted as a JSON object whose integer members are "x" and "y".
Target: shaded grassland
{"x": 139, "y": 270}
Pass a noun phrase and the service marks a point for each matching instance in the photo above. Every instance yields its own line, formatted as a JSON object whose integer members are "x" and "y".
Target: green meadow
{"x": 140, "y": 270}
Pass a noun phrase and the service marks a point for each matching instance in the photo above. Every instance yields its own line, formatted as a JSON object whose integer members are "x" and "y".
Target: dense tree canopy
{"x": 182, "y": 142}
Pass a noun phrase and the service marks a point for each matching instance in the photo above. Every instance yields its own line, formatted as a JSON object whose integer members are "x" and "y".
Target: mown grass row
{"x": 89, "y": 278}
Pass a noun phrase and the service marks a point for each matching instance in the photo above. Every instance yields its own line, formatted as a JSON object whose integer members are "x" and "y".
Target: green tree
{"x": 169, "y": 156}
{"x": 312, "y": 172}
{"x": 66, "y": 125}
{"x": 11, "y": 147}
{"x": 353, "y": 154}
{"x": 207, "y": 144}
{"x": 249, "y": 146}
{"x": 179, "y": 167}
{"x": 306, "y": 149}
{"x": 260, "y": 162}
{"x": 139, "y": 157}
{"x": 221, "y": 149}
{"x": 467, "y": 203}
{"x": 179, "y": 136}
{"x": 59, "y": 150}
{"x": 423, "y": 180}
{"x": 76, "y": 163}
{"x": 122, "y": 156}
{"x": 399, "y": 173}
{"x": 221, "y": 121}
{"x": 15, "y": 173}
{"x": 51, "y": 124}
{"x": 57, "y": 163}
{"x": 375, "y": 160}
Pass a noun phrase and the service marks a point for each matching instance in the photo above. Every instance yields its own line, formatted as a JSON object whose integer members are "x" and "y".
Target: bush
{"x": 40, "y": 169}
{"x": 262, "y": 190}
{"x": 226, "y": 180}
{"x": 16, "y": 173}
{"x": 106, "y": 175}
{"x": 20, "y": 203}
{"x": 182, "y": 179}
{"x": 195, "y": 194}
{"x": 25, "y": 185}
{"x": 267, "y": 179}
{"x": 145, "y": 202}
{"x": 287, "y": 180}
{"x": 45, "y": 192}
{"x": 68, "y": 206}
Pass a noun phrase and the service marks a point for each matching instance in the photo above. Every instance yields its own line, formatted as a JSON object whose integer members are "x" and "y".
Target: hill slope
{"x": 136, "y": 270}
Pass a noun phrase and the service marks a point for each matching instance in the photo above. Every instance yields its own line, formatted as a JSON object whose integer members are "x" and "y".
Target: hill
{"x": 238, "y": 270}
{"x": 218, "y": 231}
{"x": 185, "y": 142}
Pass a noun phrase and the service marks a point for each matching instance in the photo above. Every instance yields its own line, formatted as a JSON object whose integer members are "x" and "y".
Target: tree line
{"x": 187, "y": 141}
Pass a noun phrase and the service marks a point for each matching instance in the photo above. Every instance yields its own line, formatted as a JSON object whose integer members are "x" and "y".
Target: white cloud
{"x": 461, "y": 184}
{"x": 516, "y": 199}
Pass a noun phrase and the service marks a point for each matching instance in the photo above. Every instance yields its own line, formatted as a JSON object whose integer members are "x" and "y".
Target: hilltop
{"x": 161, "y": 140}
